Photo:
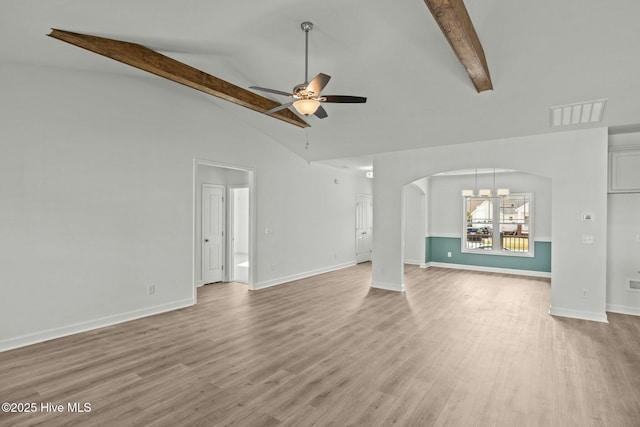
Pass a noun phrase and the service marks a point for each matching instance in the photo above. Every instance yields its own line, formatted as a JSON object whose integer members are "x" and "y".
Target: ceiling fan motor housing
{"x": 300, "y": 91}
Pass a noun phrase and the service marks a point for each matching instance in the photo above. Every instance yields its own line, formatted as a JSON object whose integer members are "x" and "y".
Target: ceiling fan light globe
{"x": 306, "y": 106}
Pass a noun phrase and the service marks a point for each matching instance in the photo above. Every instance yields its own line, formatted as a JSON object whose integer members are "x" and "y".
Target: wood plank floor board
{"x": 458, "y": 348}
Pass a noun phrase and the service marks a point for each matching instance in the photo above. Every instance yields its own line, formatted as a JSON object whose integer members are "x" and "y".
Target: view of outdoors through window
{"x": 498, "y": 224}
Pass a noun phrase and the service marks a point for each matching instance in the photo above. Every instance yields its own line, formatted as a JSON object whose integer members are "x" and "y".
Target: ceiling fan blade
{"x": 279, "y": 107}
{"x": 321, "y": 113}
{"x": 345, "y": 99}
{"x": 318, "y": 83}
{"x": 277, "y": 92}
{"x": 153, "y": 62}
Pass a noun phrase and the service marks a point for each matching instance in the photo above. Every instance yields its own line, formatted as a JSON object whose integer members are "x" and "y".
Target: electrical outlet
{"x": 151, "y": 289}
{"x": 449, "y": 254}
{"x": 585, "y": 293}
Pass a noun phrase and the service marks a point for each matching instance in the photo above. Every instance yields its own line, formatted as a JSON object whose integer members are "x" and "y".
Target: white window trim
{"x": 496, "y": 230}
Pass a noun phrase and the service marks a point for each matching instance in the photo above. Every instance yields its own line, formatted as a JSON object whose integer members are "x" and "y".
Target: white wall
{"x": 446, "y": 201}
{"x": 96, "y": 199}
{"x": 311, "y": 223}
{"x": 576, "y": 162}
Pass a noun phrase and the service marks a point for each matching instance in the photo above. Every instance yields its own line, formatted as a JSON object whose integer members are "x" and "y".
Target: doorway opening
{"x": 223, "y": 223}
{"x": 239, "y": 234}
{"x": 364, "y": 227}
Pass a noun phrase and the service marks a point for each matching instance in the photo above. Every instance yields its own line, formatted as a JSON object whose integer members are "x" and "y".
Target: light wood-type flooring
{"x": 458, "y": 348}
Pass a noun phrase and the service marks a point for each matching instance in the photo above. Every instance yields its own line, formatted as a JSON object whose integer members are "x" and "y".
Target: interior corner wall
{"x": 97, "y": 198}
{"x": 576, "y": 162}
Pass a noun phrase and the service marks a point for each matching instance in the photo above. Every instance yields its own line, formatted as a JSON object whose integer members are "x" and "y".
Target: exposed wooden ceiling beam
{"x": 454, "y": 21}
{"x": 153, "y": 62}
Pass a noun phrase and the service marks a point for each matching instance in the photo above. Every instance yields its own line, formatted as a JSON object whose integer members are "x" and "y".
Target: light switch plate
{"x": 587, "y": 239}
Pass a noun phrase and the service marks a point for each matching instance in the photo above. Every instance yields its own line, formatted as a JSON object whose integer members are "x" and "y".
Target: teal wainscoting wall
{"x": 437, "y": 248}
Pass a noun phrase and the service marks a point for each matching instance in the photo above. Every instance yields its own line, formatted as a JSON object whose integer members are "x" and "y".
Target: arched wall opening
{"x": 434, "y": 222}
{"x": 576, "y": 164}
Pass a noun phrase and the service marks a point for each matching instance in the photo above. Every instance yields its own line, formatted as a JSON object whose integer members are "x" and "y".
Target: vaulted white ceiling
{"x": 540, "y": 54}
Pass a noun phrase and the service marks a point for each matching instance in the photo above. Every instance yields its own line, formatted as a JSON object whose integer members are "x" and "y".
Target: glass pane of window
{"x": 514, "y": 223}
{"x": 479, "y": 229}
{"x": 498, "y": 225}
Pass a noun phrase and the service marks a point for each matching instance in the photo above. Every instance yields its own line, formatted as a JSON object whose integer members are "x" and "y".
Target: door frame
{"x": 251, "y": 172}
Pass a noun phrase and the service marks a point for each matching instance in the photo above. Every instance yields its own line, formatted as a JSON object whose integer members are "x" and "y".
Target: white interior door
{"x": 213, "y": 224}
{"x": 364, "y": 227}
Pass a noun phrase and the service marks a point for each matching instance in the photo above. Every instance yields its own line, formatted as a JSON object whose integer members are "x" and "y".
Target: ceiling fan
{"x": 307, "y": 95}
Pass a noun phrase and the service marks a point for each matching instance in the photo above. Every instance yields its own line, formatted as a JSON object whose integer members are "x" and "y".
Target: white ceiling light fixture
{"x": 471, "y": 193}
{"x": 578, "y": 113}
{"x": 486, "y": 192}
{"x": 306, "y": 106}
{"x": 500, "y": 192}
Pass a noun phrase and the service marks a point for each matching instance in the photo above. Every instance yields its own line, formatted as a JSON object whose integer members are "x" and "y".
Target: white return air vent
{"x": 580, "y": 113}
{"x": 634, "y": 285}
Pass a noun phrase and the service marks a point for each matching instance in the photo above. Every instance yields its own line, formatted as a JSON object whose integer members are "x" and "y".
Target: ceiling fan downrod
{"x": 306, "y": 27}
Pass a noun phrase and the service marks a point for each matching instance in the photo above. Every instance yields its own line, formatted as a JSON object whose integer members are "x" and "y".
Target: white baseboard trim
{"x": 25, "y": 340}
{"x": 425, "y": 264}
{"x": 623, "y": 309}
{"x": 412, "y": 262}
{"x": 578, "y": 314}
{"x": 199, "y": 283}
{"x": 303, "y": 275}
{"x": 490, "y": 269}
{"x": 387, "y": 286}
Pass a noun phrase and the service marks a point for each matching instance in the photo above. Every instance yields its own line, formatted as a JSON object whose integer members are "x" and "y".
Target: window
{"x": 498, "y": 225}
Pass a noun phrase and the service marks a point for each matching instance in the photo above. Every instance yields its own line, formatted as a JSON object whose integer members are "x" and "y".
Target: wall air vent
{"x": 634, "y": 285}
{"x": 576, "y": 114}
